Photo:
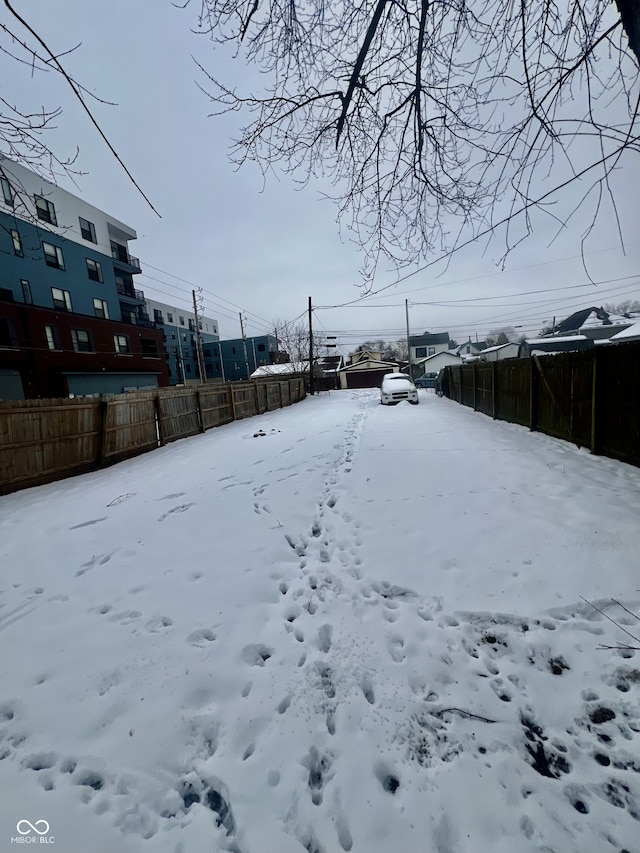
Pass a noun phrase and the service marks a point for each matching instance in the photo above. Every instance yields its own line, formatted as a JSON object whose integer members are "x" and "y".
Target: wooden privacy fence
{"x": 46, "y": 440}
{"x": 591, "y": 398}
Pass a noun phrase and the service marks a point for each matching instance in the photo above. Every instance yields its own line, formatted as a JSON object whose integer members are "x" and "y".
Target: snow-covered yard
{"x": 338, "y": 626}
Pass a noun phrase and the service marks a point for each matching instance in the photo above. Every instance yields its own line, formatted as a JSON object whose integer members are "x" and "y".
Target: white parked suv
{"x": 396, "y": 387}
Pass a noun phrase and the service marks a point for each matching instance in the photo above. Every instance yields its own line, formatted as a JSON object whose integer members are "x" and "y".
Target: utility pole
{"x": 201, "y": 370}
{"x": 244, "y": 346}
{"x": 311, "y": 388}
{"x": 406, "y": 308}
{"x": 179, "y": 359}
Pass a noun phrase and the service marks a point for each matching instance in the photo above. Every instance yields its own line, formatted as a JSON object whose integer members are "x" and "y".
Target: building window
{"x": 149, "y": 347}
{"x": 7, "y": 193}
{"x": 53, "y": 256}
{"x": 181, "y": 320}
{"x": 53, "y": 337}
{"x": 184, "y": 336}
{"x": 188, "y": 367}
{"x": 233, "y": 350}
{"x": 432, "y": 351}
{"x": 421, "y": 352}
{"x": 173, "y": 336}
{"x": 94, "y": 270}
{"x": 17, "y": 244}
{"x": 7, "y": 335}
{"x": 157, "y": 316}
{"x": 192, "y": 326}
{"x": 119, "y": 252}
{"x": 122, "y": 345}
{"x": 169, "y": 317}
{"x": 101, "y": 308}
{"x": 45, "y": 210}
{"x": 260, "y": 347}
{"x": 88, "y": 230}
{"x": 61, "y": 299}
{"x": 82, "y": 340}
{"x": 26, "y": 291}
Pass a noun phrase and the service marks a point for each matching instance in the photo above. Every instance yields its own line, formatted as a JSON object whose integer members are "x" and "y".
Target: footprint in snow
{"x": 176, "y": 509}
{"x": 396, "y": 648}
{"x": 158, "y": 624}
{"x": 201, "y": 638}
{"x": 256, "y": 654}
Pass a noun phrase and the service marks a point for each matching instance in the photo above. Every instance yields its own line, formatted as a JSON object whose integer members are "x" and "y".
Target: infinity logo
{"x": 32, "y": 827}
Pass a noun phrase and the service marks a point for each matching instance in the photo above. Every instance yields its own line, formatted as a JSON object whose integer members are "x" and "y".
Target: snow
{"x": 550, "y": 338}
{"x": 632, "y": 332}
{"x": 280, "y": 369}
{"x": 338, "y": 626}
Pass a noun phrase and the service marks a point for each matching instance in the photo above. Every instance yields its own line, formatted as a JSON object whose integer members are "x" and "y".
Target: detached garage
{"x": 365, "y": 370}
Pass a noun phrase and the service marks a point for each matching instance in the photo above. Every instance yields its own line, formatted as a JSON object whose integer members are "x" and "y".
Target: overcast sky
{"x": 266, "y": 248}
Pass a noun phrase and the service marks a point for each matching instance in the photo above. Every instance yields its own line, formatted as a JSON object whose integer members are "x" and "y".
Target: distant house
{"x": 422, "y": 346}
{"x": 365, "y": 369}
{"x": 470, "y": 349}
{"x": 594, "y": 323}
{"x": 433, "y": 363}
{"x": 499, "y": 352}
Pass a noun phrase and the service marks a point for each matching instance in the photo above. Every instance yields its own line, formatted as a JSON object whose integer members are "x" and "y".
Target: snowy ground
{"x": 363, "y": 630}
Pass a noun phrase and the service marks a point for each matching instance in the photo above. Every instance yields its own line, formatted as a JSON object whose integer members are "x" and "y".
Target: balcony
{"x": 121, "y": 255}
{"x": 129, "y": 291}
{"x": 135, "y": 320}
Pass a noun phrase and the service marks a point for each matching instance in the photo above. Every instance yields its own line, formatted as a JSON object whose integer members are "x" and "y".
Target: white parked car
{"x": 396, "y": 387}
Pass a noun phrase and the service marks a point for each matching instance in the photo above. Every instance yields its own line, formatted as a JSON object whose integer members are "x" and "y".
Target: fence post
{"x": 159, "y": 428}
{"x": 104, "y": 412}
{"x": 280, "y": 393}
{"x": 232, "y": 400}
{"x": 533, "y": 396}
{"x": 494, "y": 372}
{"x": 200, "y": 417}
{"x": 594, "y": 402}
{"x": 475, "y": 386}
{"x": 257, "y": 395}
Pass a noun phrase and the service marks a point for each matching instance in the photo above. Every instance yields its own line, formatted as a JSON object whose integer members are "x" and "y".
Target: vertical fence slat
{"x": 46, "y": 440}
{"x": 589, "y": 397}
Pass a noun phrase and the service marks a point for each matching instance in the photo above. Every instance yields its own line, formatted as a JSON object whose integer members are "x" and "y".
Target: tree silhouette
{"x": 480, "y": 110}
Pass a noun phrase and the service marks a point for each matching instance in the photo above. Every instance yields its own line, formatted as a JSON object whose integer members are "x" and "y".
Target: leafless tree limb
{"x": 480, "y": 110}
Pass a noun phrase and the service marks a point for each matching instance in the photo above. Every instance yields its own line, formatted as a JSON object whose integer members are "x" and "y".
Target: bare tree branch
{"x": 480, "y": 110}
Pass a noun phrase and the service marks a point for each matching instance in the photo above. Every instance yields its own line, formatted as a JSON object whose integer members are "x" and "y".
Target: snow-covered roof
{"x": 558, "y": 338}
{"x": 369, "y": 364}
{"x": 437, "y": 356}
{"x": 280, "y": 369}
{"x": 630, "y": 333}
{"x": 499, "y": 347}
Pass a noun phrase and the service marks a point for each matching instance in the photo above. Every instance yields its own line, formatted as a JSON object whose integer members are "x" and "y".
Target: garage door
{"x": 366, "y": 378}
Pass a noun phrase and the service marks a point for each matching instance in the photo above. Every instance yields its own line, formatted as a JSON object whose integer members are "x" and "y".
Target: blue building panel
{"x": 62, "y": 264}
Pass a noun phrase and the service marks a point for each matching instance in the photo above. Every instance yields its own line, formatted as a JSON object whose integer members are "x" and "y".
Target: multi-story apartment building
{"x": 178, "y": 329}
{"x": 261, "y": 350}
{"x": 71, "y": 318}
{"x": 223, "y": 360}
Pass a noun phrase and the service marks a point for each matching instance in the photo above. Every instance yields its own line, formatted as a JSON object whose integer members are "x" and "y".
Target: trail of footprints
{"x": 328, "y": 565}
